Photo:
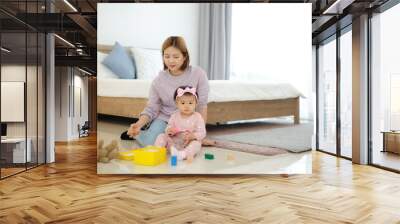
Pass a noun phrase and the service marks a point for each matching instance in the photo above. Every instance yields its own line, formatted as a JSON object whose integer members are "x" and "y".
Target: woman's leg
{"x": 148, "y": 137}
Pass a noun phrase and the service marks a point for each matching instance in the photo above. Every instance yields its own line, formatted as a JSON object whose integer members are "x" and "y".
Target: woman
{"x": 177, "y": 72}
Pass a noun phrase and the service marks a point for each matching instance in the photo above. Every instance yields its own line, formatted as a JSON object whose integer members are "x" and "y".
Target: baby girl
{"x": 186, "y": 127}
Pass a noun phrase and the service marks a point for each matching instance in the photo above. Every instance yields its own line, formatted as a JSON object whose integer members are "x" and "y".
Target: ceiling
{"x": 77, "y": 23}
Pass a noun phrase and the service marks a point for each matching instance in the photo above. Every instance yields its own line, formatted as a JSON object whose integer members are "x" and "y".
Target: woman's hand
{"x": 134, "y": 130}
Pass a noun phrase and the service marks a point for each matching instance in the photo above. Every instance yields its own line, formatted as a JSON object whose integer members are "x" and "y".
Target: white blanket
{"x": 220, "y": 90}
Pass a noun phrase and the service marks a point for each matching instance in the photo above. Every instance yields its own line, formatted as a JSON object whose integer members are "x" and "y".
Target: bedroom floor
{"x": 225, "y": 161}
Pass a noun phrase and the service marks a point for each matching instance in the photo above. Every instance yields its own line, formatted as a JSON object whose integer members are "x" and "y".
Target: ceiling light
{"x": 70, "y": 5}
{"x": 5, "y": 49}
{"x": 64, "y": 40}
{"x": 338, "y": 6}
{"x": 84, "y": 71}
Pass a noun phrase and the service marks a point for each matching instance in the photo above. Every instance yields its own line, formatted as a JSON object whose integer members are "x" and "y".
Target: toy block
{"x": 209, "y": 156}
{"x": 174, "y": 160}
{"x": 230, "y": 157}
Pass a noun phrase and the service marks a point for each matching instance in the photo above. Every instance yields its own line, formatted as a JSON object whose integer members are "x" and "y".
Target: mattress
{"x": 220, "y": 90}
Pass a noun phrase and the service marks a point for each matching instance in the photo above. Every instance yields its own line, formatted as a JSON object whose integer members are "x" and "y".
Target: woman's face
{"x": 173, "y": 59}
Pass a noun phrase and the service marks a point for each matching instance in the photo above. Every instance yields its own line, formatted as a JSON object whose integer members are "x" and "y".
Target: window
{"x": 346, "y": 94}
{"x": 385, "y": 86}
{"x": 395, "y": 101}
{"x": 327, "y": 95}
{"x": 263, "y": 49}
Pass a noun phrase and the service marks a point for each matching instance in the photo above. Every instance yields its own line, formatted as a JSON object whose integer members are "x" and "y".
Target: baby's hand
{"x": 170, "y": 131}
{"x": 188, "y": 137}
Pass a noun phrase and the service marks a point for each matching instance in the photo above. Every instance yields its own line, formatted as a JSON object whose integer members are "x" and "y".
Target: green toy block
{"x": 209, "y": 156}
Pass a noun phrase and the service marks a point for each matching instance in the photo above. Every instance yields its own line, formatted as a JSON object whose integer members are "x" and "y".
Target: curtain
{"x": 215, "y": 39}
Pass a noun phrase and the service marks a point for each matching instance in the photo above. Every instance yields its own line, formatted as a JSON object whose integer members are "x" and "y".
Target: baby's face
{"x": 186, "y": 104}
{"x": 173, "y": 59}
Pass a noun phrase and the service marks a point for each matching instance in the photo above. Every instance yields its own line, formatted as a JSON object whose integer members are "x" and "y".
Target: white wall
{"x": 33, "y": 126}
{"x": 61, "y": 103}
{"x": 312, "y": 107}
{"x": 12, "y": 101}
{"x": 147, "y": 25}
{"x": 14, "y": 73}
{"x": 17, "y": 73}
{"x": 65, "y": 97}
{"x": 81, "y": 83}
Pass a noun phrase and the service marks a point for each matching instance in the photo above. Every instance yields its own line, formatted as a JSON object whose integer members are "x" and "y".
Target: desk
{"x": 16, "y": 148}
{"x": 391, "y": 141}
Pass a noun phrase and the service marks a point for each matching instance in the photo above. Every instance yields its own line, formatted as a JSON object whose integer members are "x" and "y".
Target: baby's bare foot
{"x": 189, "y": 159}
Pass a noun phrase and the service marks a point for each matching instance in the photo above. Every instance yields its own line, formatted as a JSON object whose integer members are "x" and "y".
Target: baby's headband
{"x": 188, "y": 89}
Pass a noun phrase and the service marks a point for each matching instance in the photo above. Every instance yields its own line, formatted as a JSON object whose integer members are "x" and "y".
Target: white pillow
{"x": 148, "y": 62}
{"x": 102, "y": 71}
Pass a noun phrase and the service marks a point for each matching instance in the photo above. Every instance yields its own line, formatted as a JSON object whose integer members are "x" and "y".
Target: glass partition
{"x": 13, "y": 94}
{"x": 385, "y": 89}
{"x": 22, "y": 67}
{"x": 346, "y": 94}
{"x": 327, "y": 95}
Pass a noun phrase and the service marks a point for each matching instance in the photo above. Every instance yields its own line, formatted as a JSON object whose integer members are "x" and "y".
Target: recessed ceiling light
{"x": 338, "y": 6}
{"x": 5, "y": 49}
{"x": 70, "y": 5}
{"x": 64, "y": 40}
{"x": 84, "y": 71}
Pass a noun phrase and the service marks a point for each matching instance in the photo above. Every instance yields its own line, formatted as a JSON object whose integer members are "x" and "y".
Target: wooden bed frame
{"x": 218, "y": 112}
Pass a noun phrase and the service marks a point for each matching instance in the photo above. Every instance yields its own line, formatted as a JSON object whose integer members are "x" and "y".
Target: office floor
{"x": 387, "y": 159}
{"x": 10, "y": 171}
{"x": 70, "y": 191}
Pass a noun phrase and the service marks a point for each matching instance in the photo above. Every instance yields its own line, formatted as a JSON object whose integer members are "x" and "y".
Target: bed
{"x": 127, "y": 98}
{"x": 228, "y": 100}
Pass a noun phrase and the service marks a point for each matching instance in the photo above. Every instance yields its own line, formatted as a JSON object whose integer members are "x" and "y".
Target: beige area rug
{"x": 294, "y": 138}
{"x": 249, "y": 148}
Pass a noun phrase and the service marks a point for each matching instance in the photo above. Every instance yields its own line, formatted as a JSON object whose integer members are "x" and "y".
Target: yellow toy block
{"x": 148, "y": 156}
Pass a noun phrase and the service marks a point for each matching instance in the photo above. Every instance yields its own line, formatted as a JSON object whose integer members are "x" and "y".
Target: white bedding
{"x": 220, "y": 90}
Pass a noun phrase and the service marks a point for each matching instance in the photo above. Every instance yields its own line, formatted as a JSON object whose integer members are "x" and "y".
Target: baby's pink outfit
{"x": 193, "y": 124}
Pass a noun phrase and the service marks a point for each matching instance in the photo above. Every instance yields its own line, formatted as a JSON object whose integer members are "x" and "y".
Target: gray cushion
{"x": 120, "y": 63}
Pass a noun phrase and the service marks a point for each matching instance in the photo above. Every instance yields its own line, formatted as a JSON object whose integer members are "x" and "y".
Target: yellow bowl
{"x": 150, "y": 155}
